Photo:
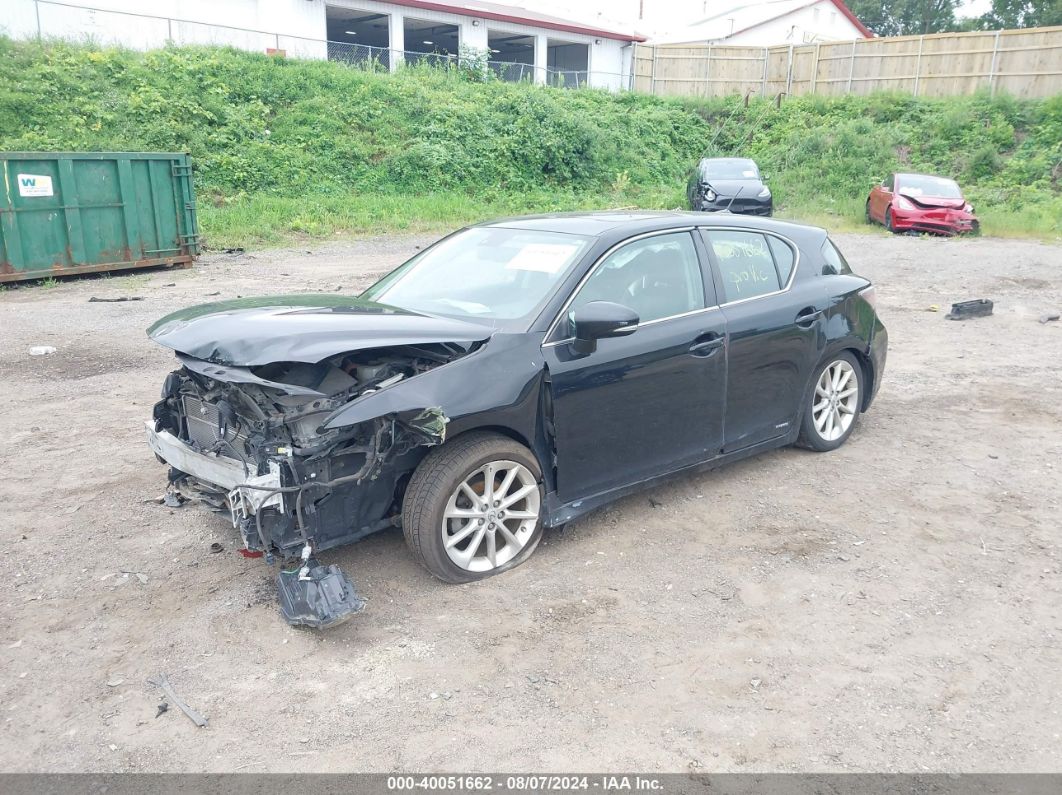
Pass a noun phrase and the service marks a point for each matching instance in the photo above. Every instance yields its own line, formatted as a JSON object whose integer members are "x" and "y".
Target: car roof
{"x": 617, "y": 225}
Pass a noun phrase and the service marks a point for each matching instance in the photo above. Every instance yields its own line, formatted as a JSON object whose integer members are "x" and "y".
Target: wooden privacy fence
{"x": 1023, "y": 63}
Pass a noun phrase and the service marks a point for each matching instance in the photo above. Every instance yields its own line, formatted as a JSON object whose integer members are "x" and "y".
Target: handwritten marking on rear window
{"x": 745, "y": 265}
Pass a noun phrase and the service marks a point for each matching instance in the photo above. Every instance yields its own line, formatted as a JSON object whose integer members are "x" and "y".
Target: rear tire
{"x": 457, "y": 534}
{"x": 832, "y": 409}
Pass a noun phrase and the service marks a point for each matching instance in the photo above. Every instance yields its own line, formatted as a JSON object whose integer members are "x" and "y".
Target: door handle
{"x": 707, "y": 344}
{"x": 807, "y": 316}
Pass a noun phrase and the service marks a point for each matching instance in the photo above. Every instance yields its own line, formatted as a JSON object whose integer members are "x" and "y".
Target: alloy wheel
{"x": 491, "y": 516}
{"x": 836, "y": 400}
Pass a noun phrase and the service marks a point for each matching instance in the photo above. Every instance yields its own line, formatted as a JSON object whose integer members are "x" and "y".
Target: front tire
{"x": 833, "y": 408}
{"x": 888, "y": 221}
{"x": 474, "y": 507}
{"x": 869, "y": 219}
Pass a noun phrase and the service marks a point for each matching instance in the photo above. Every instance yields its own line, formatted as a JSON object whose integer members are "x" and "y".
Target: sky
{"x": 663, "y": 15}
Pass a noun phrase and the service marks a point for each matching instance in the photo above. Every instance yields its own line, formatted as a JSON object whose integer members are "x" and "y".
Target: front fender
{"x": 498, "y": 383}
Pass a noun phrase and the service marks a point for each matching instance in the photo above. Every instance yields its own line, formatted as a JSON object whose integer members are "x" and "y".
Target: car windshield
{"x": 919, "y": 185}
{"x": 730, "y": 168}
{"x": 495, "y": 275}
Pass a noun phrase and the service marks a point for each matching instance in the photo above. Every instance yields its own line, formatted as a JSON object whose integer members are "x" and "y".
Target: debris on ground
{"x": 115, "y": 682}
{"x": 163, "y": 683}
{"x": 233, "y": 250}
{"x": 95, "y": 300}
{"x": 215, "y": 548}
{"x": 164, "y": 706}
{"x": 933, "y": 308}
{"x": 143, "y": 578}
{"x": 172, "y": 500}
{"x": 210, "y": 295}
{"x": 42, "y": 350}
{"x": 980, "y": 307}
{"x": 317, "y": 596}
{"x": 1049, "y": 317}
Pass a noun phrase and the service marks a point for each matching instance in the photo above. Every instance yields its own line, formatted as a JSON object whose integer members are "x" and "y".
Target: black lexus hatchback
{"x": 511, "y": 377}
{"x": 732, "y": 184}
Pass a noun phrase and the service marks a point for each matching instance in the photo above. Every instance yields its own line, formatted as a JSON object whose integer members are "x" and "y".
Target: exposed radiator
{"x": 203, "y": 432}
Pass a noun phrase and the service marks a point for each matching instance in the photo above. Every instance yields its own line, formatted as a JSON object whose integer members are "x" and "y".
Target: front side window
{"x": 747, "y": 265}
{"x": 657, "y": 277}
{"x": 497, "y": 275}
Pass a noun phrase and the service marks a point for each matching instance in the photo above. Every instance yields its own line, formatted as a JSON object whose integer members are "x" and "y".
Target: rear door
{"x": 773, "y": 325}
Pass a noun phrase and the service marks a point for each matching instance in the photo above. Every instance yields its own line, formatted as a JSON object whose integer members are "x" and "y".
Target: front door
{"x": 651, "y": 402}
{"x": 773, "y": 330}
{"x": 880, "y": 198}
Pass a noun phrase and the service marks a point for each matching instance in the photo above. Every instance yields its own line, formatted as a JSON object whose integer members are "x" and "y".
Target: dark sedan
{"x": 729, "y": 184}
{"x": 511, "y": 377}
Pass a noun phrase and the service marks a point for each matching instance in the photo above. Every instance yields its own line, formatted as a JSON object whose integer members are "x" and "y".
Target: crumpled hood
{"x": 249, "y": 332}
{"x": 730, "y": 187}
{"x": 935, "y": 201}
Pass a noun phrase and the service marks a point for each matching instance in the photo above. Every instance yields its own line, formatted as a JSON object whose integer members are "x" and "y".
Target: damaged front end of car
{"x": 250, "y": 441}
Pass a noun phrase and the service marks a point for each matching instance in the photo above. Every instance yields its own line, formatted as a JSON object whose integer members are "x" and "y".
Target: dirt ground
{"x": 892, "y": 606}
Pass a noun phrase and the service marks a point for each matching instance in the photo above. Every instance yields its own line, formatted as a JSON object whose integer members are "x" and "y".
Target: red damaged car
{"x": 921, "y": 203}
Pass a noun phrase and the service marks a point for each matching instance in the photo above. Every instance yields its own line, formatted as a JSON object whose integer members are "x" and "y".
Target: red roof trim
{"x": 838, "y": 3}
{"x": 853, "y": 18}
{"x": 466, "y": 11}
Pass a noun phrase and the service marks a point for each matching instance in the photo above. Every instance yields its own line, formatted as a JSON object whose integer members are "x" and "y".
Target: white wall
{"x": 820, "y": 22}
{"x": 296, "y": 26}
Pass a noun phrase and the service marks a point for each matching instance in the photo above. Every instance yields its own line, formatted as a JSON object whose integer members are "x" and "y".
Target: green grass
{"x": 266, "y": 220}
{"x": 287, "y": 150}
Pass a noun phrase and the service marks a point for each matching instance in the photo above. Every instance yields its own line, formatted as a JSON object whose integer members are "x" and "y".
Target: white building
{"x": 522, "y": 44}
{"x": 771, "y": 22}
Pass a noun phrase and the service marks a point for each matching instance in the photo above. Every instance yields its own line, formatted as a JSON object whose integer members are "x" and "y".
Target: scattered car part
{"x": 317, "y": 596}
{"x": 980, "y": 307}
{"x": 1049, "y": 317}
{"x": 163, "y": 683}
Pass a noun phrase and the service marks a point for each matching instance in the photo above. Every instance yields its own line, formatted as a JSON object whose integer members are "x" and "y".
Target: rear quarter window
{"x": 833, "y": 261}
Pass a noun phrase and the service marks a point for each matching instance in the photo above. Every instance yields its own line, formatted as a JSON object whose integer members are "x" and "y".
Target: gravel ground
{"x": 892, "y": 606}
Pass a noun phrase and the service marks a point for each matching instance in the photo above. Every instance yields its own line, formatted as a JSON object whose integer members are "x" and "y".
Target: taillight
{"x": 870, "y": 295}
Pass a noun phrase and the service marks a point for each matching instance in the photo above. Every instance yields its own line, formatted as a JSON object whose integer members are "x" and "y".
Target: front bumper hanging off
{"x": 310, "y": 594}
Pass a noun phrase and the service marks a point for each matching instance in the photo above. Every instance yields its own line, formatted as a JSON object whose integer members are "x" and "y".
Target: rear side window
{"x": 747, "y": 265}
{"x": 833, "y": 261}
{"x": 783, "y": 258}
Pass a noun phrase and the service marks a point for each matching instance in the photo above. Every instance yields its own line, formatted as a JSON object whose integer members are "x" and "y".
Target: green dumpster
{"x": 76, "y": 212}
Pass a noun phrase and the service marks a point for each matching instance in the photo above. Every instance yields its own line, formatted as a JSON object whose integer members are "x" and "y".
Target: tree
{"x": 1022, "y": 14}
{"x": 908, "y": 17}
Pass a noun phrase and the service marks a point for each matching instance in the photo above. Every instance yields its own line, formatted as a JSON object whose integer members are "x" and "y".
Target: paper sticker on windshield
{"x": 749, "y": 174}
{"x": 542, "y": 257}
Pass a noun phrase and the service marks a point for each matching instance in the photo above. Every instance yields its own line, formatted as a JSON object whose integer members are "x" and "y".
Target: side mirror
{"x": 598, "y": 320}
